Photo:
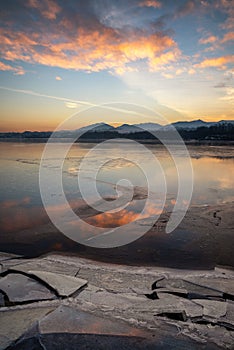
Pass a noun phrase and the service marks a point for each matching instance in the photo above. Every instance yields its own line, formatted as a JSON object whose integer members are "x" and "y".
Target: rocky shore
{"x": 67, "y": 302}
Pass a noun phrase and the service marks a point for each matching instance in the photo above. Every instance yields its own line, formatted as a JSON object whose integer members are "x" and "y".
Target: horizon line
{"x": 116, "y": 127}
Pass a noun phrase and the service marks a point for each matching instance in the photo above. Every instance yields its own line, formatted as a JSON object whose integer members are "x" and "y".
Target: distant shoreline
{"x": 154, "y": 142}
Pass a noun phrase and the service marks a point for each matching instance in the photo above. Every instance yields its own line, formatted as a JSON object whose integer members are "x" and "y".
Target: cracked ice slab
{"x": 7, "y": 256}
{"x": 20, "y": 288}
{"x": 45, "y": 265}
{"x": 215, "y": 283}
{"x": 67, "y": 319}
{"x": 14, "y": 323}
{"x": 62, "y": 284}
{"x": 212, "y": 308}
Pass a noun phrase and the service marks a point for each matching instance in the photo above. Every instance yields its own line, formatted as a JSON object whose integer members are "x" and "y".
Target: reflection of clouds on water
{"x": 18, "y": 214}
{"x": 11, "y": 203}
{"x": 213, "y": 180}
{"x": 227, "y": 181}
{"x": 122, "y": 217}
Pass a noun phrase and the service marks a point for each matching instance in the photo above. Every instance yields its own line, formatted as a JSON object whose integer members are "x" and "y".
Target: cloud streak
{"x": 70, "y": 103}
{"x": 63, "y": 99}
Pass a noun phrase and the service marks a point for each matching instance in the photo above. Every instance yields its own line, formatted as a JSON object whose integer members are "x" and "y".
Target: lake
{"x": 22, "y": 208}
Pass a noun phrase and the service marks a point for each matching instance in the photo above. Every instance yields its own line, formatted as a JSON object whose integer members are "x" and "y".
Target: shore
{"x": 163, "y": 291}
{"x": 62, "y": 302}
{"x": 208, "y": 142}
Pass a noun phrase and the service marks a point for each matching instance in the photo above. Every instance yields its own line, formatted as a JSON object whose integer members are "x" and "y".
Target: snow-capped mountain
{"x": 225, "y": 122}
{"x": 98, "y": 127}
{"x": 194, "y": 124}
{"x": 127, "y": 128}
{"x": 148, "y": 126}
{"x": 133, "y": 128}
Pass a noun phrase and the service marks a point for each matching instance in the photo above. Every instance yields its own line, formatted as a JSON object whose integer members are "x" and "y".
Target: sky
{"x": 58, "y": 58}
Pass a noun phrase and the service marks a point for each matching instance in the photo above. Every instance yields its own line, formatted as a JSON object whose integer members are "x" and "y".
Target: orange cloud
{"x": 7, "y": 67}
{"x": 171, "y": 56}
{"x": 210, "y": 40}
{"x": 216, "y": 62}
{"x": 48, "y": 8}
{"x": 214, "y": 39}
{"x": 150, "y": 3}
{"x": 228, "y": 37}
{"x": 186, "y": 9}
{"x": 227, "y": 7}
{"x": 90, "y": 50}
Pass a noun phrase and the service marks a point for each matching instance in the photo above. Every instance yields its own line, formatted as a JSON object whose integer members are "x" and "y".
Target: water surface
{"x": 22, "y": 209}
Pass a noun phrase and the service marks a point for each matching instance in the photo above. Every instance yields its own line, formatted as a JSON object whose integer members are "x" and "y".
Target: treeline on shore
{"x": 216, "y": 132}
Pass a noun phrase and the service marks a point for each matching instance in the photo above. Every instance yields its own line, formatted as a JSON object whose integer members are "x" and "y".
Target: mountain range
{"x": 150, "y": 126}
{"x": 189, "y": 130}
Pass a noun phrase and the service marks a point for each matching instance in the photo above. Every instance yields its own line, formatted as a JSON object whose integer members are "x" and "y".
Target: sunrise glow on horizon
{"x": 59, "y": 58}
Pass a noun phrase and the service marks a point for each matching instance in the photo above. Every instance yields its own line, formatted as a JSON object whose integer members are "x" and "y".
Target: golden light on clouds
{"x": 209, "y": 40}
{"x": 216, "y": 62}
{"x": 48, "y": 8}
{"x": 90, "y": 51}
{"x": 7, "y": 67}
{"x": 169, "y": 55}
{"x": 151, "y": 3}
